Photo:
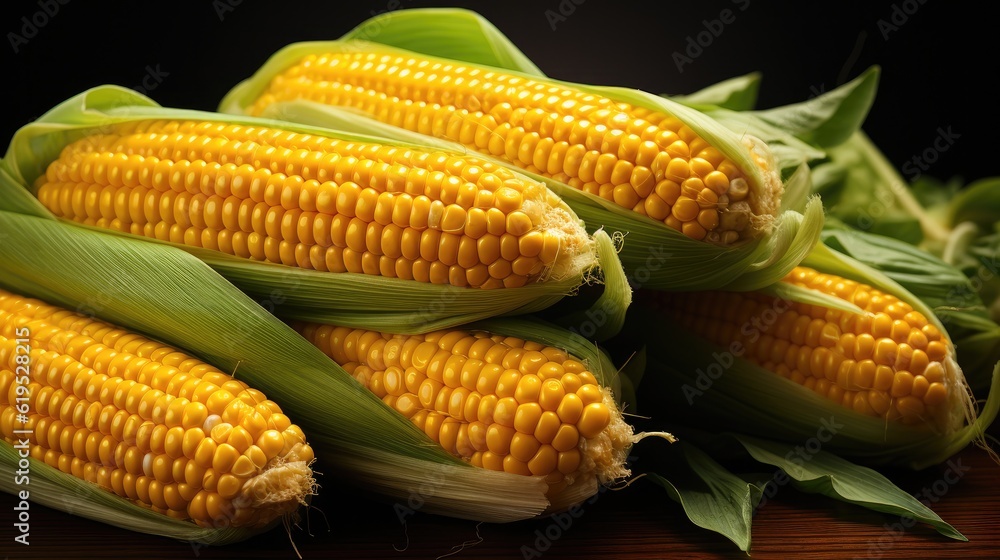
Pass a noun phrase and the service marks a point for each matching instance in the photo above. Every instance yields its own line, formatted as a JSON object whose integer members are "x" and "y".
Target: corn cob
{"x": 888, "y": 362}
{"x": 634, "y": 157}
{"x": 146, "y": 421}
{"x": 315, "y": 202}
{"x": 499, "y": 402}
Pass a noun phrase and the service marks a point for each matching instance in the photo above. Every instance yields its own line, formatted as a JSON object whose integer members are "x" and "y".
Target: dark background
{"x": 939, "y": 61}
{"x": 940, "y": 69}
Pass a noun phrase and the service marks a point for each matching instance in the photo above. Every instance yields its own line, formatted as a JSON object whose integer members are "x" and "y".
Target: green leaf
{"x": 979, "y": 203}
{"x": 831, "y": 118}
{"x": 797, "y": 189}
{"x": 736, "y": 94}
{"x": 454, "y": 33}
{"x": 821, "y": 472}
{"x": 874, "y": 197}
{"x": 789, "y": 150}
{"x": 712, "y": 497}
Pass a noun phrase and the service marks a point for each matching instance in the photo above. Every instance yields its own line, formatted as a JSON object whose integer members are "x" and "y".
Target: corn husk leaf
{"x": 981, "y": 264}
{"x": 712, "y": 497}
{"x": 800, "y": 132}
{"x": 599, "y": 318}
{"x": 800, "y": 294}
{"x": 736, "y": 94}
{"x": 977, "y": 203}
{"x": 825, "y": 473}
{"x": 408, "y": 29}
{"x": 789, "y": 151}
{"x": 830, "y": 118}
{"x": 692, "y": 264}
{"x": 170, "y": 295}
{"x": 874, "y": 197}
{"x": 291, "y": 292}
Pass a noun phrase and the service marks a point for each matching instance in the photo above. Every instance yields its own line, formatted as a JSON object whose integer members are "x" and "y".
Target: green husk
{"x": 820, "y": 472}
{"x": 343, "y": 298}
{"x": 408, "y": 29}
{"x": 653, "y": 254}
{"x": 872, "y": 196}
{"x": 798, "y": 133}
{"x": 830, "y": 118}
{"x": 169, "y": 295}
{"x": 712, "y": 497}
{"x": 714, "y": 388}
{"x": 700, "y": 473}
{"x": 736, "y": 94}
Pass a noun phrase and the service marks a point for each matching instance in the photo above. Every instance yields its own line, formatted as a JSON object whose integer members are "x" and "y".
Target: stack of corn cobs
{"x": 391, "y": 256}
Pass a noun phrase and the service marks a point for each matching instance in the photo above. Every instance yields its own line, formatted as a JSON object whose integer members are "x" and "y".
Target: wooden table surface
{"x": 636, "y": 522}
